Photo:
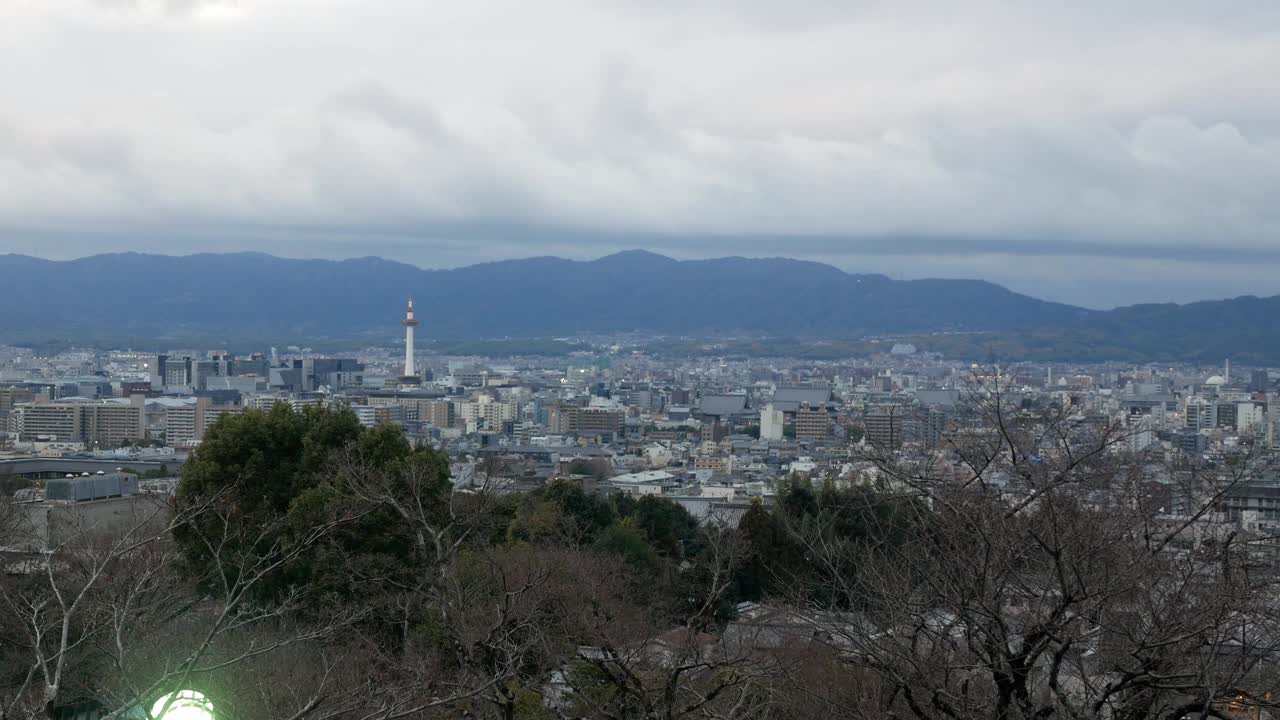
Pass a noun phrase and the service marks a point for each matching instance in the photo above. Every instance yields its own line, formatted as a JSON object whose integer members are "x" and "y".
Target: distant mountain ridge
{"x": 255, "y": 296}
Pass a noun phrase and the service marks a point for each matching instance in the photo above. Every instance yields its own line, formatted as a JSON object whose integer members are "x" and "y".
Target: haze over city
{"x": 639, "y": 360}
{"x": 1093, "y": 153}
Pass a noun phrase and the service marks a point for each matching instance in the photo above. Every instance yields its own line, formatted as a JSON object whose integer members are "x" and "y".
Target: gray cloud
{"x": 1137, "y": 140}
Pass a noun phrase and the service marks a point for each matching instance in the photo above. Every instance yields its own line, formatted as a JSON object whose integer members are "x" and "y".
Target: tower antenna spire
{"x": 410, "y": 322}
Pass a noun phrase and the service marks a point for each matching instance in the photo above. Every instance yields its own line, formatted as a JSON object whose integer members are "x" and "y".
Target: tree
{"x": 268, "y": 457}
{"x": 256, "y": 465}
{"x": 624, "y": 540}
{"x": 855, "y": 433}
{"x": 1045, "y": 582}
{"x": 773, "y": 558}
{"x": 108, "y": 618}
{"x": 597, "y": 468}
{"x": 668, "y": 527}
{"x": 113, "y": 621}
{"x": 591, "y": 513}
{"x": 635, "y": 665}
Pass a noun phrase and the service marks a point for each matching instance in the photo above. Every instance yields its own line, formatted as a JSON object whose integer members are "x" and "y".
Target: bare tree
{"x": 1044, "y": 581}
{"x": 109, "y": 612}
{"x": 638, "y": 666}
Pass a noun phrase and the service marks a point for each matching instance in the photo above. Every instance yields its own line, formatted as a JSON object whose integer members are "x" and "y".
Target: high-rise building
{"x": 884, "y": 426}
{"x": 1250, "y": 416}
{"x": 436, "y": 413}
{"x": 157, "y": 367}
{"x": 812, "y": 423}
{"x": 113, "y": 424}
{"x": 61, "y": 422}
{"x": 713, "y": 429}
{"x": 213, "y": 413}
{"x": 562, "y": 418}
{"x": 771, "y": 423}
{"x": 486, "y": 413}
{"x": 1226, "y": 415}
{"x": 311, "y": 374}
{"x": 175, "y": 372}
{"x": 1190, "y": 442}
{"x": 181, "y": 423}
{"x": 1259, "y": 381}
{"x": 366, "y": 414}
{"x": 927, "y": 426}
{"x": 186, "y": 422}
{"x": 107, "y": 424}
{"x": 1199, "y": 414}
{"x": 10, "y": 396}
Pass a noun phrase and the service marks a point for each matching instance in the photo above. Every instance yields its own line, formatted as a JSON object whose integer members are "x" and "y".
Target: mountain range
{"x": 255, "y": 296}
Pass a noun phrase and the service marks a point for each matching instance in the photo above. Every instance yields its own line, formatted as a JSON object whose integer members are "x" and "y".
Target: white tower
{"x": 409, "y": 322}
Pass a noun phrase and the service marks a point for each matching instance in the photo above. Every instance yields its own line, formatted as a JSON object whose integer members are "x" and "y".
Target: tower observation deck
{"x": 410, "y": 322}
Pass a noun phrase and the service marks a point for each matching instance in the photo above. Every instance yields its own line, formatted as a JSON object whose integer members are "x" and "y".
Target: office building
{"x": 771, "y": 423}
{"x": 103, "y": 423}
{"x": 812, "y": 423}
{"x": 884, "y": 426}
{"x": 312, "y": 374}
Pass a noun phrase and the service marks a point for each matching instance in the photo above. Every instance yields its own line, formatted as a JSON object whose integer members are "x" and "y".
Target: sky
{"x": 1093, "y": 152}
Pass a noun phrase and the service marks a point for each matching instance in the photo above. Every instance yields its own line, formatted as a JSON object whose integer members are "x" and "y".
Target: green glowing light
{"x": 183, "y": 705}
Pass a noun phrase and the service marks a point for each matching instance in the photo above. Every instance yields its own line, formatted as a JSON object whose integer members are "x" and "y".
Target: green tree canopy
{"x": 275, "y": 475}
{"x": 626, "y": 541}
{"x": 263, "y": 460}
{"x": 592, "y": 512}
{"x": 669, "y": 528}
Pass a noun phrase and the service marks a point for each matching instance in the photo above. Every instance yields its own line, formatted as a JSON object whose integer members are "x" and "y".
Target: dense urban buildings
{"x": 99, "y": 438}
{"x": 743, "y": 424}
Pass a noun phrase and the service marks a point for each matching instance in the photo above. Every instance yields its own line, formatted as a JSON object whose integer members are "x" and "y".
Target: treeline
{"x": 311, "y": 569}
{"x": 302, "y": 469}
{"x": 309, "y": 565}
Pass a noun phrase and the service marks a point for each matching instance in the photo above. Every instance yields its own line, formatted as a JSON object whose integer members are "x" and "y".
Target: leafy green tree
{"x": 399, "y": 516}
{"x": 796, "y": 497}
{"x": 249, "y": 469}
{"x": 591, "y": 512}
{"x": 263, "y": 460}
{"x": 861, "y": 515}
{"x": 580, "y": 466}
{"x": 626, "y": 541}
{"x": 538, "y": 520}
{"x": 624, "y": 504}
{"x": 773, "y": 557}
{"x": 777, "y": 562}
{"x": 668, "y": 527}
{"x": 597, "y": 468}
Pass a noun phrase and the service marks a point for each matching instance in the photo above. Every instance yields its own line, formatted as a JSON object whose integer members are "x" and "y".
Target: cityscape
{"x": 615, "y": 360}
{"x": 724, "y": 429}
{"x": 94, "y": 438}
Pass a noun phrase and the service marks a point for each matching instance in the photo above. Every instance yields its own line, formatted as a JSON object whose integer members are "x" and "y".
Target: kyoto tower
{"x": 409, "y": 323}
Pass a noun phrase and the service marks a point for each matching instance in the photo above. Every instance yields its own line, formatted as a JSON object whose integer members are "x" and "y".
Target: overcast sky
{"x": 1096, "y": 152}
